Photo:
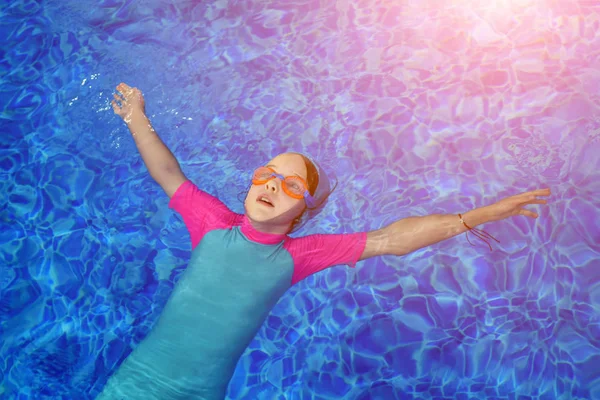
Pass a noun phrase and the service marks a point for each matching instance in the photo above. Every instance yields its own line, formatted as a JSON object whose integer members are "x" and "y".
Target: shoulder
{"x": 202, "y": 212}
{"x": 188, "y": 197}
{"x": 314, "y": 253}
{"x": 321, "y": 239}
{"x": 326, "y": 247}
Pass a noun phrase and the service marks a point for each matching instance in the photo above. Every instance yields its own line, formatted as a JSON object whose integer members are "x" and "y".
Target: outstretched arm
{"x": 410, "y": 234}
{"x": 161, "y": 163}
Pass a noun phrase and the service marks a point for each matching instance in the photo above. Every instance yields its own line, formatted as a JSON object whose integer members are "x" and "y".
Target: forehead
{"x": 289, "y": 164}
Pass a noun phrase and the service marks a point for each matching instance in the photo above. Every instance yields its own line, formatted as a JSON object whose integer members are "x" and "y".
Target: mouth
{"x": 265, "y": 200}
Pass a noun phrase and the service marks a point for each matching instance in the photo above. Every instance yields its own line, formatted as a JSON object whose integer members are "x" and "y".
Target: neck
{"x": 269, "y": 227}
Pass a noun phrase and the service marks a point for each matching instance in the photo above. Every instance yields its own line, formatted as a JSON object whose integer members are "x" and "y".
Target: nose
{"x": 272, "y": 185}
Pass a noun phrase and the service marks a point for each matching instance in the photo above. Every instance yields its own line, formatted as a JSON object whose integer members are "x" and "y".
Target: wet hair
{"x": 312, "y": 179}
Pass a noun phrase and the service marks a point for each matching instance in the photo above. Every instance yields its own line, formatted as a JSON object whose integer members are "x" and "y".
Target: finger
{"x": 123, "y": 86}
{"x": 115, "y": 107}
{"x": 539, "y": 192}
{"x": 530, "y": 196}
{"x": 119, "y": 98}
{"x": 536, "y": 201}
{"x": 124, "y": 91}
{"x": 528, "y": 213}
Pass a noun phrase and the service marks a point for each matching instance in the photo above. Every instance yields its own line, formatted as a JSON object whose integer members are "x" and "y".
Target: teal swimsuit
{"x": 235, "y": 276}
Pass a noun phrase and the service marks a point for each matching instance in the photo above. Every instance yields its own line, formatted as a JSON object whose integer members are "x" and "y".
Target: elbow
{"x": 165, "y": 172}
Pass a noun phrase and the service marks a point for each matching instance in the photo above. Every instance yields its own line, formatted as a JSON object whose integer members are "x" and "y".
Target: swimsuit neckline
{"x": 257, "y": 236}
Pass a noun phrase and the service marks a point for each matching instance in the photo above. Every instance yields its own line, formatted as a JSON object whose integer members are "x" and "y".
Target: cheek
{"x": 297, "y": 206}
{"x": 249, "y": 197}
{"x": 252, "y": 193}
{"x": 290, "y": 206}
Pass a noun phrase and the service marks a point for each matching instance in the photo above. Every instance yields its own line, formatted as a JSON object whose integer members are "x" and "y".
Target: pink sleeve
{"x": 316, "y": 252}
{"x": 201, "y": 212}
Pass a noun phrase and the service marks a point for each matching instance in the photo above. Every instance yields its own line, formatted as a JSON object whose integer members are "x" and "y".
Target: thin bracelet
{"x": 478, "y": 233}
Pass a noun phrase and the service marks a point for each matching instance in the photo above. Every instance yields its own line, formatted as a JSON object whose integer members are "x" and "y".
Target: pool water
{"x": 417, "y": 107}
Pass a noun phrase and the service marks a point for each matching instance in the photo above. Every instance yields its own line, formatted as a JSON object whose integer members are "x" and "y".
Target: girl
{"x": 242, "y": 264}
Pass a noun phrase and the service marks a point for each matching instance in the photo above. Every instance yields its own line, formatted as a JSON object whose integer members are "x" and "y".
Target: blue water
{"x": 418, "y": 107}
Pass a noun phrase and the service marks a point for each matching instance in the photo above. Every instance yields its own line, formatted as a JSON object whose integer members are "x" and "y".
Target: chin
{"x": 257, "y": 213}
{"x": 262, "y": 218}
{"x": 257, "y": 216}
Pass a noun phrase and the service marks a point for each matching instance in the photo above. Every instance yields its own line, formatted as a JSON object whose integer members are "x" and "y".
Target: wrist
{"x": 477, "y": 216}
{"x": 137, "y": 118}
{"x": 141, "y": 129}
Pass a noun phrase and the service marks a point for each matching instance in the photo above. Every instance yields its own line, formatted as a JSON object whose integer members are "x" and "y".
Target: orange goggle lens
{"x": 294, "y": 186}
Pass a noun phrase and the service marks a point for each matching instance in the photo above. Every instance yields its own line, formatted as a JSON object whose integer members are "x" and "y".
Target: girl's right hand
{"x": 128, "y": 102}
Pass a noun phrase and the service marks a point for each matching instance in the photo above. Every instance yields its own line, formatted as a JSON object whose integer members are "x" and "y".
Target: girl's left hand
{"x": 513, "y": 205}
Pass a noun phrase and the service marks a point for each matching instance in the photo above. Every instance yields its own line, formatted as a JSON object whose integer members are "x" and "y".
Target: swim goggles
{"x": 294, "y": 186}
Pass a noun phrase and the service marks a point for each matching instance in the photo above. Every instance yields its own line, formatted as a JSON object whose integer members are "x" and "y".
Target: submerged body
{"x": 235, "y": 277}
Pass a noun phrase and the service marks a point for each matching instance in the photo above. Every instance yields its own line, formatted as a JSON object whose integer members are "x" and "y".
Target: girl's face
{"x": 278, "y": 217}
